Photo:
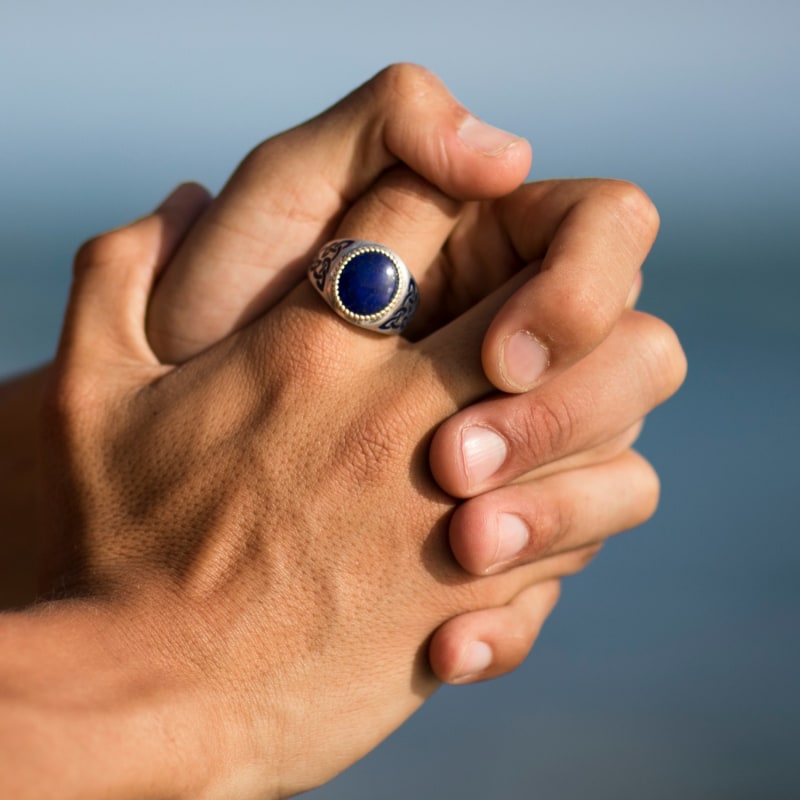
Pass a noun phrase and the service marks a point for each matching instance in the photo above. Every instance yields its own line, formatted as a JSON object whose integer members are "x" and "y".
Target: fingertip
{"x": 484, "y": 138}
{"x": 457, "y": 654}
{"x": 514, "y": 357}
{"x": 474, "y": 660}
{"x": 492, "y": 162}
{"x": 474, "y": 539}
{"x": 445, "y": 649}
{"x": 443, "y": 458}
{"x": 441, "y": 140}
{"x": 593, "y": 245}
{"x": 518, "y": 362}
{"x": 485, "y": 644}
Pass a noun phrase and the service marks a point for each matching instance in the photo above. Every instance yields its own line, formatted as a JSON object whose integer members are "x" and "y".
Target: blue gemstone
{"x": 368, "y": 283}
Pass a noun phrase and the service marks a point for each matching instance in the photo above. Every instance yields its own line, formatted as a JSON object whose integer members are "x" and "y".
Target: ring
{"x": 365, "y": 283}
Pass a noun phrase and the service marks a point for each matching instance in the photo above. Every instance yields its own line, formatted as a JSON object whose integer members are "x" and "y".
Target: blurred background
{"x": 670, "y": 668}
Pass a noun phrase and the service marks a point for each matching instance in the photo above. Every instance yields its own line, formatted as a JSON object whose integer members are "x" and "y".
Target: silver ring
{"x": 365, "y": 283}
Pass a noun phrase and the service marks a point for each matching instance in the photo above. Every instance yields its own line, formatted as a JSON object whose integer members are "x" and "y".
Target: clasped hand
{"x": 272, "y": 490}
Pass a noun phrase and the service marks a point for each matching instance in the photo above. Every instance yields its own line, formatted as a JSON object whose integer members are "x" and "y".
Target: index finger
{"x": 593, "y": 237}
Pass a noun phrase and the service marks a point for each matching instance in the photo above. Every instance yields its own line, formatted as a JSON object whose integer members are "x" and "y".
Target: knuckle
{"x": 549, "y": 523}
{"x": 313, "y": 357}
{"x": 582, "y": 315}
{"x": 66, "y": 395}
{"x": 403, "y": 82}
{"x": 397, "y": 202}
{"x": 258, "y": 160}
{"x": 633, "y": 207}
{"x": 401, "y": 201}
{"x": 70, "y": 403}
{"x": 370, "y": 449}
{"x": 112, "y": 249}
{"x": 317, "y": 359}
{"x": 664, "y": 357}
{"x": 543, "y": 432}
{"x": 89, "y": 253}
{"x": 83, "y": 256}
{"x": 266, "y": 158}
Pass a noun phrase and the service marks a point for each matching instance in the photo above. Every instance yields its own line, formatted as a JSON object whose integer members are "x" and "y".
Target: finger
{"x": 525, "y": 522}
{"x": 593, "y": 238}
{"x": 488, "y": 643}
{"x": 288, "y": 196}
{"x": 599, "y": 454}
{"x": 403, "y": 212}
{"x": 113, "y": 277}
{"x": 496, "y": 441}
{"x": 411, "y": 216}
{"x": 408, "y": 214}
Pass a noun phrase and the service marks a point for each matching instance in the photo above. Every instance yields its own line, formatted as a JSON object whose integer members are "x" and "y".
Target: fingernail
{"x": 484, "y": 452}
{"x": 489, "y": 140}
{"x": 512, "y": 536}
{"x": 524, "y": 359}
{"x": 477, "y": 657}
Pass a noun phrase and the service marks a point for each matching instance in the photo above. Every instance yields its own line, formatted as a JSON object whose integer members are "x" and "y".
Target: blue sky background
{"x": 669, "y": 669}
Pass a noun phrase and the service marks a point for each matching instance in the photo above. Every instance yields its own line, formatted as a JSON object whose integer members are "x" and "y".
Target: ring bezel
{"x": 325, "y": 272}
{"x": 336, "y": 274}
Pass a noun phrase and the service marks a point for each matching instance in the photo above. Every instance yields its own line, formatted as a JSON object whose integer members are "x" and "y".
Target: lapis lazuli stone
{"x": 368, "y": 283}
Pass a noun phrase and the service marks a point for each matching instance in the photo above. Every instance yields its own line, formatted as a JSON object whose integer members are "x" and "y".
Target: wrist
{"x": 92, "y": 705}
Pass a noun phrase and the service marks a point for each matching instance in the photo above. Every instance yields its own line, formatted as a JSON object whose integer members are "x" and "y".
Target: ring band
{"x": 365, "y": 283}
